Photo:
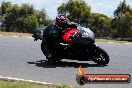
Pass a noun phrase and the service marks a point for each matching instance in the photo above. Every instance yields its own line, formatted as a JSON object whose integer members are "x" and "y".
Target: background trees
{"x": 100, "y": 24}
{"x": 25, "y": 18}
{"x": 76, "y": 11}
{"x": 122, "y": 21}
{"x": 22, "y": 18}
{"x": 103, "y": 26}
{"x": 5, "y": 6}
{"x": 80, "y": 12}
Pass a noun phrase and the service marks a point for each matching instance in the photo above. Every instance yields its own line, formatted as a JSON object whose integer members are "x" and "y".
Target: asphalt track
{"x": 22, "y": 58}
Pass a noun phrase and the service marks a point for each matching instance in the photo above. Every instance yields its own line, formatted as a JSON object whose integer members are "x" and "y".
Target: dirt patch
{"x": 15, "y": 34}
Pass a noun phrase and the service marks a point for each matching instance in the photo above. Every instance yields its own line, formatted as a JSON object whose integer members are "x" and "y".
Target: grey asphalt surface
{"x": 22, "y": 58}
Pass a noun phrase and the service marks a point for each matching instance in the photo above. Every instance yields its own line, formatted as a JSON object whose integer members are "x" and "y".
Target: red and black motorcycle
{"x": 75, "y": 44}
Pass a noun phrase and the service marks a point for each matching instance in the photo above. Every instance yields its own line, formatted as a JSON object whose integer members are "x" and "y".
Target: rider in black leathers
{"x": 52, "y": 34}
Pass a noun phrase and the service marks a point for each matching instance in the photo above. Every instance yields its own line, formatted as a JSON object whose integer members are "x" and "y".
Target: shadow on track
{"x": 63, "y": 64}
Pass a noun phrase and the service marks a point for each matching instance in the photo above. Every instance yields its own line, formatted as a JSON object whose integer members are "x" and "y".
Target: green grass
{"x": 29, "y": 35}
{"x": 15, "y": 34}
{"x": 19, "y": 84}
{"x": 115, "y": 41}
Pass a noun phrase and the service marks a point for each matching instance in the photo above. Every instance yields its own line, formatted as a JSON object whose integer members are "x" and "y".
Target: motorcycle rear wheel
{"x": 51, "y": 59}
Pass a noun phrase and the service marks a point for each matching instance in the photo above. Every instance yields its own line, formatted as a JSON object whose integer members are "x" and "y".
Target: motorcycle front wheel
{"x": 100, "y": 56}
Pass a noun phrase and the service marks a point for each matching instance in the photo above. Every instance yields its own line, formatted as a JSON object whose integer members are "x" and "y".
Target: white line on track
{"x": 19, "y": 36}
{"x": 127, "y": 43}
{"x": 32, "y": 38}
{"x": 110, "y": 42}
{"x": 15, "y": 36}
{"x": 29, "y": 37}
{"x": 17, "y": 79}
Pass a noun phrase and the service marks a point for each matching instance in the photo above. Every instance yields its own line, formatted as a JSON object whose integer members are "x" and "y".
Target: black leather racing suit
{"x": 52, "y": 36}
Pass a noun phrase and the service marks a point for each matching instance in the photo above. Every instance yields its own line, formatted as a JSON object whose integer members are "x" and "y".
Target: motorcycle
{"x": 76, "y": 44}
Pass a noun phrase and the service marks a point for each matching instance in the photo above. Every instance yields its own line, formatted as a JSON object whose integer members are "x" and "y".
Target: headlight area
{"x": 85, "y": 35}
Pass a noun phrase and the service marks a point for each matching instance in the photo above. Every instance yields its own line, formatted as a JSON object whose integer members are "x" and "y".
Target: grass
{"x": 15, "y": 34}
{"x": 115, "y": 41}
{"x": 29, "y": 35}
{"x": 20, "y": 84}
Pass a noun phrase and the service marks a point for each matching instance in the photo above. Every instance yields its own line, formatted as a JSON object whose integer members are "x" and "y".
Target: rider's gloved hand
{"x": 35, "y": 37}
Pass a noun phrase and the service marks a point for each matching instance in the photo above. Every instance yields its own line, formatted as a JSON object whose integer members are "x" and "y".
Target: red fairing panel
{"x": 66, "y": 36}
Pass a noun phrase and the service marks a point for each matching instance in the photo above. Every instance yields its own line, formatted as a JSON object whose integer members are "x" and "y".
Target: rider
{"x": 53, "y": 31}
{"x": 61, "y": 23}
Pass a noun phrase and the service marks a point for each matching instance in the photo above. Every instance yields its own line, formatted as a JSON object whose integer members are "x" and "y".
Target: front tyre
{"x": 100, "y": 57}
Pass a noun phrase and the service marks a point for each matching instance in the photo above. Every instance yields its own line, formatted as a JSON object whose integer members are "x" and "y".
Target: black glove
{"x": 35, "y": 37}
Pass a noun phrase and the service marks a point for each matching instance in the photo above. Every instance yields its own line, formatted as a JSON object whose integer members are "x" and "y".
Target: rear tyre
{"x": 100, "y": 57}
{"x": 43, "y": 48}
{"x": 53, "y": 58}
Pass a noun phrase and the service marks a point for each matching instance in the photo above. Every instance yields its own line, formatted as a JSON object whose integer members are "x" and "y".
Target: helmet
{"x": 61, "y": 21}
